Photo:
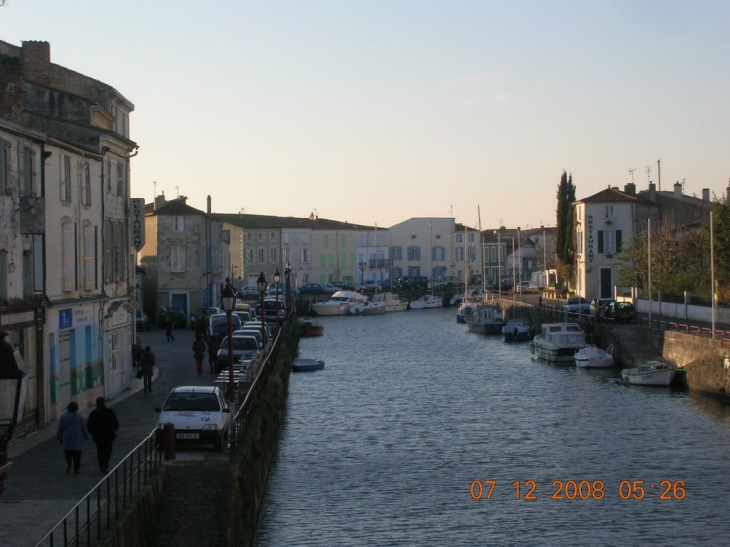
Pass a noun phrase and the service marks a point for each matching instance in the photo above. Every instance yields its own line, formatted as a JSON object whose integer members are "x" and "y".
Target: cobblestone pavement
{"x": 39, "y": 493}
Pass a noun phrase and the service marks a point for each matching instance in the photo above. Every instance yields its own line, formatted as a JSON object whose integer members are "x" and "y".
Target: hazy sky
{"x": 377, "y": 111}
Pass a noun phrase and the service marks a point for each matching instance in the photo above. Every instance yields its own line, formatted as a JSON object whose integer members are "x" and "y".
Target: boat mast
{"x": 481, "y": 250}
{"x": 466, "y": 261}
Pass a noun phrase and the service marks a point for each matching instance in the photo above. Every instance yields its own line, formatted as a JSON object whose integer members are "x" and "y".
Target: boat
{"x": 486, "y": 319}
{"x": 392, "y": 301}
{"x": 650, "y": 373}
{"x": 557, "y": 342}
{"x": 310, "y": 327}
{"x": 427, "y": 301}
{"x": 591, "y": 356}
{"x": 306, "y": 365}
{"x": 517, "y": 330}
{"x": 339, "y": 303}
{"x": 368, "y": 307}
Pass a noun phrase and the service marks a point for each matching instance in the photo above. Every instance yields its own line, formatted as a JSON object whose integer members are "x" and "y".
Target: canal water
{"x": 421, "y": 433}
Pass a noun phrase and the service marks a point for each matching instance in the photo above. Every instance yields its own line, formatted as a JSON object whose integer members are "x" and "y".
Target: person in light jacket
{"x": 72, "y": 433}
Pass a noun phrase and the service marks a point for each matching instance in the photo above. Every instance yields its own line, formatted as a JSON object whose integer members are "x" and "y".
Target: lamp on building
{"x": 277, "y": 277}
{"x": 228, "y": 299}
{"x": 13, "y": 385}
{"x": 261, "y": 284}
{"x": 287, "y": 277}
{"x": 362, "y": 265}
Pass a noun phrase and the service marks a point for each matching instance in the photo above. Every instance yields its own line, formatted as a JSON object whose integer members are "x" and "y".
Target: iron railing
{"x": 92, "y": 517}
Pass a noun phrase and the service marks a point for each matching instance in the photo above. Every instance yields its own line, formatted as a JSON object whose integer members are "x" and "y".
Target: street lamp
{"x": 277, "y": 277}
{"x": 228, "y": 298}
{"x": 287, "y": 277}
{"x": 261, "y": 283}
{"x": 362, "y": 266}
{"x": 13, "y": 385}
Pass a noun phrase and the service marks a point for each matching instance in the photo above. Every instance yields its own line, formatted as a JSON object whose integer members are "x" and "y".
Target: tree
{"x": 565, "y": 226}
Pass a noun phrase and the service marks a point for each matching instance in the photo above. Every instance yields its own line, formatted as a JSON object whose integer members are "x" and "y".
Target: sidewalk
{"x": 39, "y": 492}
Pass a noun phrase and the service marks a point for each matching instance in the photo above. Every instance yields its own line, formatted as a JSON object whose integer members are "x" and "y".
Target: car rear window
{"x": 192, "y": 402}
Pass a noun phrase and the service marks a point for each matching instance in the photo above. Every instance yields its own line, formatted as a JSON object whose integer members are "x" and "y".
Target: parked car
{"x": 451, "y": 281}
{"x": 577, "y": 304}
{"x": 329, "y": 288}
{"x": 620, "y": 312}
{"x": 524, "y": 287}
{"x": 199, "y": 413}
{"x": 369, "y": 285}
{"x": 245, "y": 348}
{"x": 416, "y": 282}
{"x": 271, "y": 291}
{"x": 273, "y": 309}
{"x": 311, "y": 288}
{"x": 343, "y": 286}
{"x": 141, "y": 320}
{"x": 248, "y": 290}
{"x": 177, "y": 317}
{"x": 195, "y": 316}
{"x": 218, "y": 325}
{"x": 391, "y": 285}
{"x": 435, "y": 283}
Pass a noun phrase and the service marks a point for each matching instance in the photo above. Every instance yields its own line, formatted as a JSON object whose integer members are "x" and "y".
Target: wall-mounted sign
{"x": 136, "y": 223}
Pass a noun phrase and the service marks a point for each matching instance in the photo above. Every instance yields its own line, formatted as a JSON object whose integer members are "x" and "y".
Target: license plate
{"x": 187, "y": 435}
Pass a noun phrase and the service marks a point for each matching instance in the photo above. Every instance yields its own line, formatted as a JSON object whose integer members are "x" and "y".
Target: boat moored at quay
{"x": 558, "y": 342}
{"x": 339, "y": 303}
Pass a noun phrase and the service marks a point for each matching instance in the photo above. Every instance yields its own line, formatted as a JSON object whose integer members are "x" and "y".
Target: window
{"x": 272, "y": 236}
{"x": 471, "y": 238}
{"x": 272, "y": 255}
{"x": 120, "y": 178}
{"x": 250, "y": 256}
{"x": 305, "y": 256}
{"x": 460, "y": 238}
{"x": 396, "y": 253}
{"x": 177, "y": 258}
{"x": 178, "y": 223}
{"x": 579, "y": 242}
{"x": 4, "y": 164}
{"x": 107, "y": 266}
{"x": 249, "y": 236}
{"x": 65, "y": 178}
{"x": 89, "y": 256}
{"x": 285, "y": 255}
{"x": 4, "y": 271}
{"x": 38, "y": 264}
{"x": 438, "y": 253}
{"x": 609, "y": 211}
{"x": 609, "y": 241}
{"x": 414, "y": 253}
{"x": 261, "y": 236}
{"x": 68, "y": 242}
{"x": 84, "y": 183}
{"x": 261, "y": 256}
{"x": 459, "y": 254}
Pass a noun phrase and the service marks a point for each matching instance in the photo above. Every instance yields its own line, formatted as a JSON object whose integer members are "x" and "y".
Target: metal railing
{"x": 92, "y": 517}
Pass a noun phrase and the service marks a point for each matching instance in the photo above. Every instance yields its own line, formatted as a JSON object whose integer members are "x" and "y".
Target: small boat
{"x": 557, "y": 342}
{"x": 591, "y": 356}
{"x": 369, "y": 307}
{"x": 517, "y": 330}
{"x": 306, "y": 365}
{"x": 651, "y": 373}
{"x": 339, "y": 303}
{"x": 310, "y": 327}
{"x": 392, "y": 301}
{"x": 467, "y": 305}
{"x": 486, "y": 319}
{"x": 427, "y": 301}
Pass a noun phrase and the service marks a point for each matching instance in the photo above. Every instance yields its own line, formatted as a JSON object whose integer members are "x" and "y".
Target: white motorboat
{"x": 369, "y": 307}
{"x": 517, "y": 330}
{"x": 591, "y": 356}
{"x": 339, "y": 303}
{"x": 427, "y": 301}
{"x": 557, "y": 342}
{"x": 486, "y": 319}
{"x": 392, "y": 301}
{"x": 651, "y": 373}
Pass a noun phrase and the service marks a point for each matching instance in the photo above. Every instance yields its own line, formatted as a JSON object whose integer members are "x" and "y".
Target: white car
{"x": 199, "y": 413}
{"x": 524, "y": 287}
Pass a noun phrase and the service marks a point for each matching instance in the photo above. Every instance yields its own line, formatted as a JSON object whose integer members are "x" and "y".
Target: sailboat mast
{"x": 481, "y": 247}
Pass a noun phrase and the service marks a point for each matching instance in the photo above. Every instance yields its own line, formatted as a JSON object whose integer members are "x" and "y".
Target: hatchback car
{"x": 245, "y": 348}
{"x": 199, "y": 414}
{"x": 577, "y": 304}
{"x": 142, "y": 321}
{"x": 248, "y": 290}
{"x": 177, "y": 317}
{"x": 620, "y": 312}
{"x": 311, "y": 288}
{"x": 218, "y": 324}
{"x": 344, "y": 285}
{"x": 524, "y": 287}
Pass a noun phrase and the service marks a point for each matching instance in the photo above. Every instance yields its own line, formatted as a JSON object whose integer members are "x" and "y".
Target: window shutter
{"x": 418, "y": 253}
{"x": 618, "y": 241}
{"x": 600, "y": 241}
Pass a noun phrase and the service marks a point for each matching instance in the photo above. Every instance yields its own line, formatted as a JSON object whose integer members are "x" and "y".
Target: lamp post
{"x": 277, "y": 277}
{"x": 362, "y": 266}
{"x": 261, "y": 284}
{"x": 12, "y": 381}
{"x": 287, "y": 277}
{"x": 228, "y": 299}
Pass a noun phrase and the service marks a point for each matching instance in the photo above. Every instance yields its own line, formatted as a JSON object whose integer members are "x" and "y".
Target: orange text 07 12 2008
{"x": 579, "y": 490}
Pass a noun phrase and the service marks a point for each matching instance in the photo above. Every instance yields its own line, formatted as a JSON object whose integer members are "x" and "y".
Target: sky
{"x": 376, "y": 111}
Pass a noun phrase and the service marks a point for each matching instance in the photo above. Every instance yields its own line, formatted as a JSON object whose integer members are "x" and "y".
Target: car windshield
{"x": 192, "y": 402}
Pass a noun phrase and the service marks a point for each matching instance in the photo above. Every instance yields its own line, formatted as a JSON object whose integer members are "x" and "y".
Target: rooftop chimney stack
{"x": 677, "y": 190}
{"x": 209, "y": 201}
{"x": 630, "y": 189}
{"x": 36, "y": 62}
{"x": 705, "y": 194}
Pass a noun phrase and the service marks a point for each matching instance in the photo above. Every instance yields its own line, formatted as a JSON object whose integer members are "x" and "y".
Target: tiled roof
{"x": 609, "y": 194}
{"x": 178, "y": 207}
{"x": 263, "y": 222}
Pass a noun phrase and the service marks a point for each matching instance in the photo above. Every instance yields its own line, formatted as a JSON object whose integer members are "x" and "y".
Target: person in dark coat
{"x": 103, "y": 426}
{"x": 147, "y": 367}
{"x": 199, "y": 353}
{"x": 72, "y": 433}
{"x": 168, "y": 328}
{"x": 214, "y": 344}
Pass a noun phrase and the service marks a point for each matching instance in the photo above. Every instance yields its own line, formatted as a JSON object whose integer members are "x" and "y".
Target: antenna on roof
{"x": 648, "y": 174}
{"x": 631, "y": 172}
{"x": 178, "y": 190}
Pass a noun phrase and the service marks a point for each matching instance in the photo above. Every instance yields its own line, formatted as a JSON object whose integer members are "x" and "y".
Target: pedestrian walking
{"x": 214, "y": 344}
{"x": 202, "y": 327}
{"x": 199, "y": 353}
{"x": 103, "y": 426}
{"x": 147, "y": 367}
{"x": 72, "y": 433}
{"x": 168, "y": 328}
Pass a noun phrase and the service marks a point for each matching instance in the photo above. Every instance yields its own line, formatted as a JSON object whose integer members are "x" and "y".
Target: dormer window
{"x": 609, "y": 211}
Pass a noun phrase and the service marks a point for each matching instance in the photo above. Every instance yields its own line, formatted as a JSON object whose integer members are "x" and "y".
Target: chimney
{"x": 652, "y": 191}
{"x": 677, "y": 190}
{"x": 705, "y": 194}
{"x": 630, "y": 189}
{"x": 36, "y": 62}
{"x": 208, "y": 204}
{"x": 160, "y": 201}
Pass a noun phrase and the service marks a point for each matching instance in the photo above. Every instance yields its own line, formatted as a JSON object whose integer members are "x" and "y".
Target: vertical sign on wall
{"x": 136, "y": 223}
